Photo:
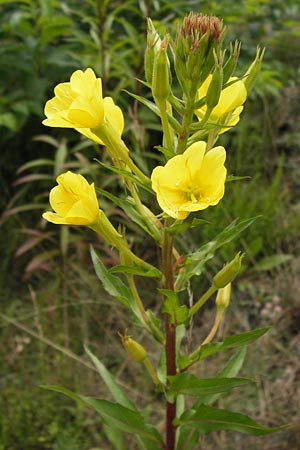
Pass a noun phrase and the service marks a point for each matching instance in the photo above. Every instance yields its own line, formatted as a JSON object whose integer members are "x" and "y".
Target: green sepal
{"x": 206, "y": 419}
{"x": 177, "y": 313}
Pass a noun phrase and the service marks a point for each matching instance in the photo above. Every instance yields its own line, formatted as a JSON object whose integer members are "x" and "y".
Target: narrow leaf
{"x": 206, "y": 419}
{"x": 189, "y": 384}
{"x": 117, "y": 392}
{"x": 123, "y": 418}
{"x": 231, "y": 369}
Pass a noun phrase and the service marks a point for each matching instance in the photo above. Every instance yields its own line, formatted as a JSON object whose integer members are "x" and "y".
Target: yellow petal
{"x": 54, "y": 218}
{"x": 114, "y": 115}
{"x": 60, "y": 200}
{"x": 82, "y": 83}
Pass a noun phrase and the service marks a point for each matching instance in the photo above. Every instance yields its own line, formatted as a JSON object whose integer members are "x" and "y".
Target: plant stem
{"x": 210, "y": 291}
{"x": 170, "y": 347}
{"x": 187, "y": 120}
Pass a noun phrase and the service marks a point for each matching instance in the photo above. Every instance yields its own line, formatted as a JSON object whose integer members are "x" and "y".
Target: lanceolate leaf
{"x": 116, "y": 415}
{"x": 206, "y": 419}
{"x": 123, "y": 418}
{"x": 194, "y": 262}
{"x": 128, "y": 207}
{"x": 237, "y": 340}
{"x": 112, "y": 284}
{"x": 116, "y": 391}
{"x": 189, "y": 384}
{"x": 231, "y": 369}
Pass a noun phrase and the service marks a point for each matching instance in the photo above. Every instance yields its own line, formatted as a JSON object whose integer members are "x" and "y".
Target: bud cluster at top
{"x": 194, "y": 26}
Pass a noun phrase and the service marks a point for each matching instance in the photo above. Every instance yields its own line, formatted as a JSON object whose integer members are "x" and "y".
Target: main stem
{"x": 170, "y": 346}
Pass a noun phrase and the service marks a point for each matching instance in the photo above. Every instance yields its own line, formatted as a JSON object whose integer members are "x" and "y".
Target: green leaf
{"x": 116, "y": 391}
{"x": 207, "y": 418}
{"x": 188, "y": 438}
{"x": 180, "y": 226}
{"x": 235, "y": 178}
{"x": 129, "y": 208}
{"x": 271, "y": 262}
{"x": 231, "y": 369}
{"x": 234, "y": 341}
{"x": 230, "y": 342}
{"x": 115, "y": 414}
{"x": 112, "y": 284}
{"x": 126, "y": 174}
{"x": 189, "y": 384}
{"x": 194, "y": 262}
{"x": 123, "y": 418}
{"x": 177, "y": 313}
{"x": 137, "y": 270}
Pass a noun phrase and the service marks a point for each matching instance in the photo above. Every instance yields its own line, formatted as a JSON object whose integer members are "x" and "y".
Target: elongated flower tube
{"x": 74, "y": 201}
{"x": 79, "y": 104}
{"x": 191, "y": 181}
{"x": 230, "y": 105}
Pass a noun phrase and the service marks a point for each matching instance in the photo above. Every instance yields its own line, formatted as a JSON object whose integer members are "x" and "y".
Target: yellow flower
{"x": 230, "y": 105}
{"x": 191, "y": 181}
{"x": 74, "y": 201}
{"x": 79, "y": 104}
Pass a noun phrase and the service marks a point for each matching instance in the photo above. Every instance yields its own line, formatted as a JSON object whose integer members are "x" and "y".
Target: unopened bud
{"x": 223, "y": 297}
{"x": 135, "y": 350}
{"x": 161, "y": 72}
{"x": 229, "y": 272}
{"x": 231, "y": 62}
{"x": 153, "y": 45}
{"x": 253, "y": 71}
{"x": 215, "y": 88}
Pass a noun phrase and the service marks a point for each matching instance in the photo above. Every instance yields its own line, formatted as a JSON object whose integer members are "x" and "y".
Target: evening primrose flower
{"x": 74, "y": 201}
{"x": 191, "y": 181}
{"x": 79, "y": 104}
{"x": 230, "y": 105}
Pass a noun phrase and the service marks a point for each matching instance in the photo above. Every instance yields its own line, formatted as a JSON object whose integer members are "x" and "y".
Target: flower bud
{"x": 223, "y": 297}
{"x": 215, "y": 88}
{"x": 231, "y": 62}
{"x": 196, "y": 40}
{"x": 153, "y": 45}
{"x": 135, "y": 350}
{"x": 229, "y": 272}
{"x": 253, "y": 71}
{"x": 161, "y": 72}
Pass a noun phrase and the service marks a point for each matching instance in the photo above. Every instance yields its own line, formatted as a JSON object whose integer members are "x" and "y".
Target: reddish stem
{"x": 170, "y": 347}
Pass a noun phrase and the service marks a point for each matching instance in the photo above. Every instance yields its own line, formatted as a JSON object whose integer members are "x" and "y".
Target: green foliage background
{"x": 48, "y": 293}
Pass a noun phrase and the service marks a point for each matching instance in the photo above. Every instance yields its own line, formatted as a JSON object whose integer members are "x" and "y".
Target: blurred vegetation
{"x": 50, "y": 300}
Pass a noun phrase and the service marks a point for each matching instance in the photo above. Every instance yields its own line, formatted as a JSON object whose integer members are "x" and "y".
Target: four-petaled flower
{"x": 191, "y": 181}
{"x": 230, "y": 105}
{"x": 74, "y": 201}
{"x": 79, "y": 104}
